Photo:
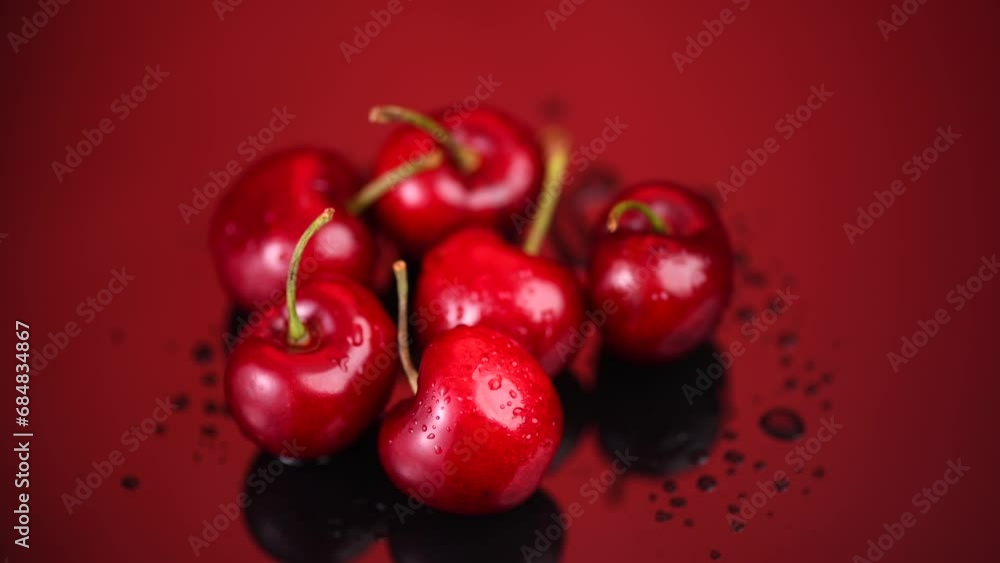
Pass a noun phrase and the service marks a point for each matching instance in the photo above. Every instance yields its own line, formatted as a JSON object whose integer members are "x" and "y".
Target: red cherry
{"x": 475, "y": 278}
{"x": 670, "y": 281}
{"x": 483, "y": 426}
{"x": 261, "y": 217}
{"x": 310, "y": 374}
{"x": 495, "y": 167}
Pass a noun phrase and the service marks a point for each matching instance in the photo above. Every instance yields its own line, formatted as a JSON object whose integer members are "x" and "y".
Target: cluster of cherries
{"x": 485, "y": 420}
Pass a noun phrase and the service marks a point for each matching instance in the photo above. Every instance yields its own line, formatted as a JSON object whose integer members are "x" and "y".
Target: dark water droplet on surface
{"x": 755, "y": 279}
{"x": 211, "y": 407}
{"x": 160, "y": 429}
{"x": 553, "y": 108}
{"x": 678, "y": 502}
{"x": 733, "y": 508}
{"x": 788, "y": 340}
{"x": 805, "y": 491}
{"x": 819, "y": 472}
{"x": 740, "y": 258}
{"x": 663, "y": 516}
{"x": 759, "y": 465}
{"x": 729, "y": 435}
{"x": 826, "y": 404}
{"x": 181, "y": 401}
{"x": 791, "y": 383}
{"x": 782, "y": 424}
{"x": 737, "y": 525}
{"x": 698, "y": 457}
{"x": 130, "y": 482}
{"x": 209, "y": 379}
{"x": 209, "y": 430}
{"x": 826, "y": 377}
{"x": 770, "y": 515}
{"x": 203, "y": 353}
{"x": 812, "y": 389}
{"x": 731, "y": 471}
{"x": 744, "y": 314}
{"x": 733, "y": 456}
{"x": 782, "y": 484}
{"x": 785, "y": 361}
{"x": 689, "y": 522}
{"x": 670, "y": 485}
{"x": 652, "y": 497}
{"x": 706, "y": 483}
{"x": 809, "y": 365}
{"x": 715, "y": 554}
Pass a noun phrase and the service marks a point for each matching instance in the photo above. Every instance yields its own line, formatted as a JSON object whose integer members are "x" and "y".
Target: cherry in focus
{"x": 494, "y": 169}
{"x": 665, "y": 269}
{"x": 475, "y": 278}
{"x": 311, "y": 374}
{"x": 484, "y": 424}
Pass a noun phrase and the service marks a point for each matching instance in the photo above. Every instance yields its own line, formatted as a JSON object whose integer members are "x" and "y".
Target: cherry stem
{"x": 655, "y": 221}
{"x": 556, "y": 144}
{"x": 388, "y": 180}
{"x": 464, "y": 157}
{"x": 403, "y": 331}
{"x": 297, "y": 333}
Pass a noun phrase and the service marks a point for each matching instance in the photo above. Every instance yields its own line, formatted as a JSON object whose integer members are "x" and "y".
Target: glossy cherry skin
{"x": 260, "y": 219}
{"x": 475, "y": 278}
{"x": 670, "y": 291}
{"x": 320, "y": 396}
{"x": 422, "y": 210}
{"x": 484, "y": 425}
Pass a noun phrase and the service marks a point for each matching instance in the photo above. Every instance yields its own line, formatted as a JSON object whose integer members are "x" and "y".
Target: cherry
{"x": 259, "y": 220}
{"x": 495, "y": 166}
{"x": 311, "y": 374}
{"x": 475, "y": 278}
{"x": 666, "y": 268}
{"x": 484, "y": 423}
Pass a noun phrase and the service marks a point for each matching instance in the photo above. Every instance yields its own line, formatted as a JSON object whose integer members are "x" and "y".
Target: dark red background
{"x": 120, "y": 209}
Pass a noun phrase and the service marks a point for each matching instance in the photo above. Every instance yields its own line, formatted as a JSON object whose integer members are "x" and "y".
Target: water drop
{"x": 495, "y": 383}
{"x": 424, "y": 428}
{"x": 782, "y": 424}
{"x": 706, "y": 483}
{"x": 513, "y": 394}
{"x": 663, "y": 516}
{"x": 437, "y": 450}
{"x": 430, "y": 436}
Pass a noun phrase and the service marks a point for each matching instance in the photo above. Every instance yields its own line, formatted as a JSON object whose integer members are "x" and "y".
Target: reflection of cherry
{"x": 261, "y": 217}
{"x": 495, "y": 167}
{"x": 660, "y": 412}
{"x": 311, "y": 372}
{"x": 476, "y": 279}
{"x": 437, "y": 537}
{"x": 318, "y": 512}
{"x": 577, "y": 407}
{"x": 671, "y": 283}
{"x": 483, "y": 426}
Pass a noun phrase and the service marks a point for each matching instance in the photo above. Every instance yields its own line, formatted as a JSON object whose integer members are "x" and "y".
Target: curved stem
{"x": 556, "y": 144}
{"x": 464, "y": 157}
{"x": 297, "y": 333}
{"x": 388, "y": 180}
{"x": 655, "y": 221}
{"x": 403, "y": 331}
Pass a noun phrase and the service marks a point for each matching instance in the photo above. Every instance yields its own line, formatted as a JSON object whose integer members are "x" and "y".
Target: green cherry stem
{"x": 464, "y": 157}
{"x": 556, "y": 144}
{"x": 403, "y": 320}
{"x": 614, "y": 216}
{"x": 388, "y": 180}
{"x": 297, "y": 333}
